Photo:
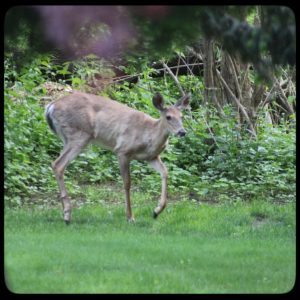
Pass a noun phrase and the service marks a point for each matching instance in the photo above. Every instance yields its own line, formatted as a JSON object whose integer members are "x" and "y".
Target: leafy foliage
{"x": 216, "y": 160}
{"x": 156, "y": 29}
{"x": 27, "y": 147}
{"x": 253, "y": 42}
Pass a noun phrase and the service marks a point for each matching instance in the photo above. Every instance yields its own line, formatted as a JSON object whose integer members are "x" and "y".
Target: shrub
{"x": 216, "y": 159}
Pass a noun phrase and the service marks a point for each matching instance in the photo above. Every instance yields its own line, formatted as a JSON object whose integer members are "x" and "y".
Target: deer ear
{"x": 183, "y": 101}
{"x": 158, "y": 101}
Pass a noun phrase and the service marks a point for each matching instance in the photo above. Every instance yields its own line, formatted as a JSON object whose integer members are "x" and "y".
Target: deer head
{"x": 172, "y": 116}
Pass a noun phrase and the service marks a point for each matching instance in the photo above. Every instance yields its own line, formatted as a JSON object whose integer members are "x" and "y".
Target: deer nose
{"x": 181, "y": 132}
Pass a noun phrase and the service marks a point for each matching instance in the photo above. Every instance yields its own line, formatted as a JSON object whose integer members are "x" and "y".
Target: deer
{"x": 80, "y": 119}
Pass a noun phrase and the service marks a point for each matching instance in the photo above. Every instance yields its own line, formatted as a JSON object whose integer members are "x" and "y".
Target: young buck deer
{"x": 80, "y": 119}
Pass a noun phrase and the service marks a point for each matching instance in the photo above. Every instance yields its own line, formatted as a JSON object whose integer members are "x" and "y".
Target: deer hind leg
{"x": 71, "y": 150}
{"x": 124, "y": 163}
{"x": 158, "y": 165}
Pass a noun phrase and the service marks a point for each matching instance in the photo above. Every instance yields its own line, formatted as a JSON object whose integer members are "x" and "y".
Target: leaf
{"x": 291, "y": 99}
{"x": 203, "y": 192}
{"x": 64, "y": 72}
{"x": 45, "y": 63}
{"x": 261, "y": 149}
{"x": 76, "y": 81}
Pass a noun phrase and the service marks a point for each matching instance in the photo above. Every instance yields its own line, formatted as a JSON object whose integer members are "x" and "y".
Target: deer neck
{"x": 161, "y": 134}
{"x": 163, "y": 128}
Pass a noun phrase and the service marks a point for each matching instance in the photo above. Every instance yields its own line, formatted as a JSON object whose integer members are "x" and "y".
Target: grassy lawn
{"x": 191, "y": 248}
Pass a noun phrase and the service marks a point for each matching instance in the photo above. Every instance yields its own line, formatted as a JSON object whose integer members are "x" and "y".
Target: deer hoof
{"x": 131, "y": 220}
{"x": 67, "y": 217}
{"x": 155, "y": 214}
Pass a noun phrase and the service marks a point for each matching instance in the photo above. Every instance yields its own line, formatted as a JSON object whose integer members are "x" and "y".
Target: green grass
{"x": 190, "y": 248}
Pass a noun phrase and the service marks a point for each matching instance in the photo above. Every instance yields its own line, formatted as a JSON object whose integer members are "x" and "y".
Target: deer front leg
{"x": 158, "y": 165}
{"x": 124, "y": 163}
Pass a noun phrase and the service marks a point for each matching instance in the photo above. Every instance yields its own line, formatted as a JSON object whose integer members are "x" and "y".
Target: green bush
{"x": 27, "y": 144}
{"x": 216, "y": 159}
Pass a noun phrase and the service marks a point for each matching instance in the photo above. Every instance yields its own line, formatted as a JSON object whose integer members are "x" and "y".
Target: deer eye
{"x": 168, "y": 117}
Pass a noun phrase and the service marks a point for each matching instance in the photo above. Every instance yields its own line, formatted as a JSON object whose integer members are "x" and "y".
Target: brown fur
{"x": 82, "y": 118}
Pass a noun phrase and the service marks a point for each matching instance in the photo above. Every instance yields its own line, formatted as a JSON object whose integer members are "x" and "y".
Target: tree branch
{"x": 284, "y": 101}
{"x": 126, "y": 77}
{"x": 235, "y": 78}
{"x": 238, "y": 103}
{"x": 245, "y": 76}
{"x": 188, "y": 67}
{"x": 174, "y": 77}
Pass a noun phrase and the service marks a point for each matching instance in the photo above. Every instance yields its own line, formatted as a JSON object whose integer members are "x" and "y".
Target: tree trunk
{"x": 211, "y": 88}
{"x": 226, "y": 72}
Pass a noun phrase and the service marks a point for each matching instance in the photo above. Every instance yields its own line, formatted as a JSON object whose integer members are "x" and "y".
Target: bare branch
{"x": 177, "y": 68}
{"x": 265, "y": 104}
{"x": 126, "y": 77}
{"x": 245, "y": 77}
{"x": 198, "y": 55}
{"x": 187, "y": 65}
{"x": 235, "y": 78}
{"x": 268, "y": 96}
{"x": 174, "y": 77}
{"x": 284, "y": 101}
{"x": 238, "y": 103}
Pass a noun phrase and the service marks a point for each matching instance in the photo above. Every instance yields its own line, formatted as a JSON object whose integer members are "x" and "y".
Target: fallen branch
{"x": 126, "y": 77}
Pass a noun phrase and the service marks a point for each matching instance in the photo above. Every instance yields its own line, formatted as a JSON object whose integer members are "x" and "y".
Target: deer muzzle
{"x": 181, "y": 133}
